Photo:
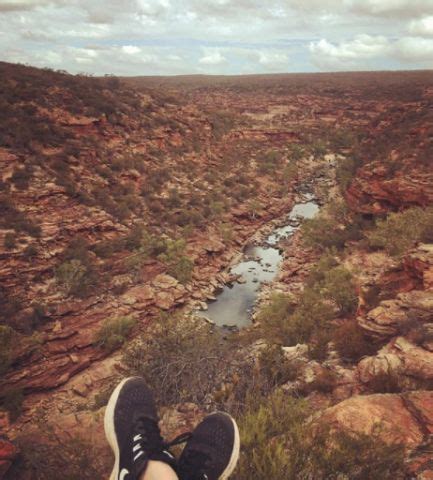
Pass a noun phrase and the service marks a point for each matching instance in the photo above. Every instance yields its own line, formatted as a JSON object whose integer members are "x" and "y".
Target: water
{"x": 233, "y": 305}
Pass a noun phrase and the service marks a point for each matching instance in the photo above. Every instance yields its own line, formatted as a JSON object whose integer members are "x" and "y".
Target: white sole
{"x": 110, "y": 431}
{"x": 235, "y": 453}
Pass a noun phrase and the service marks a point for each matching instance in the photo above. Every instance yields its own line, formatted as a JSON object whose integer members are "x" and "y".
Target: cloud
{"x": 216, "y": 36}
{"x": 414, "y": 50}
{"x": 349, "y": 54}
{"x": 366, "y": 51}
{"x": 407, "y": 8}
{"x": 422, "y": 27}
{"x": 212, "y": 57}
{"x": 131, "y": 49}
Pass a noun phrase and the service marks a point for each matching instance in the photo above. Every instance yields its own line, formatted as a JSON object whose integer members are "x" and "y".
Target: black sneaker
{"x": 212, "y": 450}
{"x": 131, "y": 428}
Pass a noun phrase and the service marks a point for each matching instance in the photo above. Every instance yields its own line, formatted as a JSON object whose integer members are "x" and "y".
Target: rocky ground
{"x": 212, "y": 138}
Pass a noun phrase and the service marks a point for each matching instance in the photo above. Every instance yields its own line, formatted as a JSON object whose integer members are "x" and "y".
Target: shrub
{"x": 338, "y": 286}
{"x": 72, "y": 455}
{"x": 350, "y": 341}
{"x": 10, "y": 241}
{"x": 30, "y": 251}
{"x": 181, "y": 269}
{"x": 114, "y": 332}
{"x": 70, "y": 275}
{"x": 12, "y": 402}
{"x": 323, "y": 233}
{"x": 284, "y": 322}
{"x": 384, "y": 383}
{"x": 6, "y": 334}
{"x": 345, "y": 172}
{"x": 274, "y": 314}
{"x": 275, "y": 367}
{"x": 178, "y": 265}
{"x": 324, "y": 382}
{"x": 278, "y": 442}
{"x": 180, "y": 359}
{"x": 400, "y": 231}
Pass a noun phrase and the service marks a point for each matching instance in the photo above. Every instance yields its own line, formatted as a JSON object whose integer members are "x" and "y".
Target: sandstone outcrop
{"x": 394, "y": 316}
{"x": 410, "y": 365}
{"x": 404, "y": 418}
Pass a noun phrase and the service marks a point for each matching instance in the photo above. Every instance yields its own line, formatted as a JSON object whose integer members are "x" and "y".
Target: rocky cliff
{"x": 123, "y": 200}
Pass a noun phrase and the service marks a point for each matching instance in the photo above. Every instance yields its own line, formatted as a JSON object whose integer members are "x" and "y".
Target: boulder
{"x": 406, "y": 418}
{"x": 391, "y": 316}
{"x": 401, "y": 359}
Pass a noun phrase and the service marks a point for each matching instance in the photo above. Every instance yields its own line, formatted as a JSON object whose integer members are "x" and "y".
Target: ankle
{"x": 158, "y": 471}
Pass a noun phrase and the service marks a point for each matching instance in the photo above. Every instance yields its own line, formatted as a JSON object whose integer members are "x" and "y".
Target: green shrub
{"x": 323, "y": 233}
{"x": 400, "y": 231}
{"x": 73, "y": 456}
{"x": 384, "y": 383}
{"x": 114, "y": 332}
{"x": 350, "y": 341}
{"x": 338, "y": 286}
{"x": 6, "y": 335}
{"x": 275, "y": 367}
{"x": 12, "y": 402}
{"x": 278, "y": 442}
{"x": 283, "y": 321}
{"x": 70, "y": 275}
{"x": 10, "y": 241}
{"x": 180, "y": 359}
{"x": 345, "y": 172}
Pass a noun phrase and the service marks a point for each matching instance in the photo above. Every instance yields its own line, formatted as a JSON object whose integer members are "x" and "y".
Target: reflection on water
{"x": 234, "y": 304}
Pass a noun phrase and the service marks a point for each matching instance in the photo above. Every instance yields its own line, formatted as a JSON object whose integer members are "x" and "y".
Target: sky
{"x": 171, "y": 37}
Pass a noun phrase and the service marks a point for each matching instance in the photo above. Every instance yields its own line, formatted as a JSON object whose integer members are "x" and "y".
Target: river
{"x": 260, "y": 263}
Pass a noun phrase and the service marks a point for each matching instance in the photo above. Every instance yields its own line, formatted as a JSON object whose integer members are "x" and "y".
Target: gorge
{"x": 128, "y": 203}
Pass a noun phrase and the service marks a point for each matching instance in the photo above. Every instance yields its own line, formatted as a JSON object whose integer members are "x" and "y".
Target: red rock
{"x": 8, "y": 453}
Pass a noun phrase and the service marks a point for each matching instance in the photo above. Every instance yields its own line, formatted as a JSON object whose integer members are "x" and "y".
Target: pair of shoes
{"x": 131, "y": 428}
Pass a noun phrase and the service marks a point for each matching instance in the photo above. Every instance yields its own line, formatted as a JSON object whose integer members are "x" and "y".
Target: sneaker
{"x": 131, "y": 428}
{"x": 212, "y": 450}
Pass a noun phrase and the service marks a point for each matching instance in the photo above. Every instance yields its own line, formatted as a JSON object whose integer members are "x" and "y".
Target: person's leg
{"x": 131, "y": 428}
{"x": 158, "y": 471}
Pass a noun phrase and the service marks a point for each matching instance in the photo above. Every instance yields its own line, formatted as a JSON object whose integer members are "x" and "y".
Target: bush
{"x": 338, "y": 286}
{"x": 274, "y": 314}
{"x": 400, "y": 231}
{"x": 10, "y": 241}
{"x": 275, "y": 367}
{"x": 345, "y": 172}
{"x": 12, "y": 402}
{"x": 73, "y": 456}
{"x": 351, "y": 343}
{"x": 323, "y": 232}
{"x": 70, "y": 275}
{"x": 6, "y": 334}
{"x": 180, "y": 359}
{"x": 278, "y": 442}
{"x": 283, "y": 321}
{"x": 114, "y": 332}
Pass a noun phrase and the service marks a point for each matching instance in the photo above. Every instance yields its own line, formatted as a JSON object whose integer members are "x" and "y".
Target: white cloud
{"x": 422, "y": 27}
{"x": 212, "y": 57}
{"x": 217, "y": 36}
{"x": 394, "y": 7}
{"x": 349, "y": 54}
{"x": 131, "y": 49}
{"x": 414, "y": 50}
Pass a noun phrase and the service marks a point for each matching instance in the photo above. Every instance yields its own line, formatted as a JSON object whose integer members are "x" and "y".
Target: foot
{"x": 212, "y": 451}
{"x": 131, "y": 428}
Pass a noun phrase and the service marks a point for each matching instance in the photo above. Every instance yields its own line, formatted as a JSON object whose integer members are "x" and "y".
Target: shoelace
{"x": 151, "y": 439}
{"x": 194, "y": 464}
